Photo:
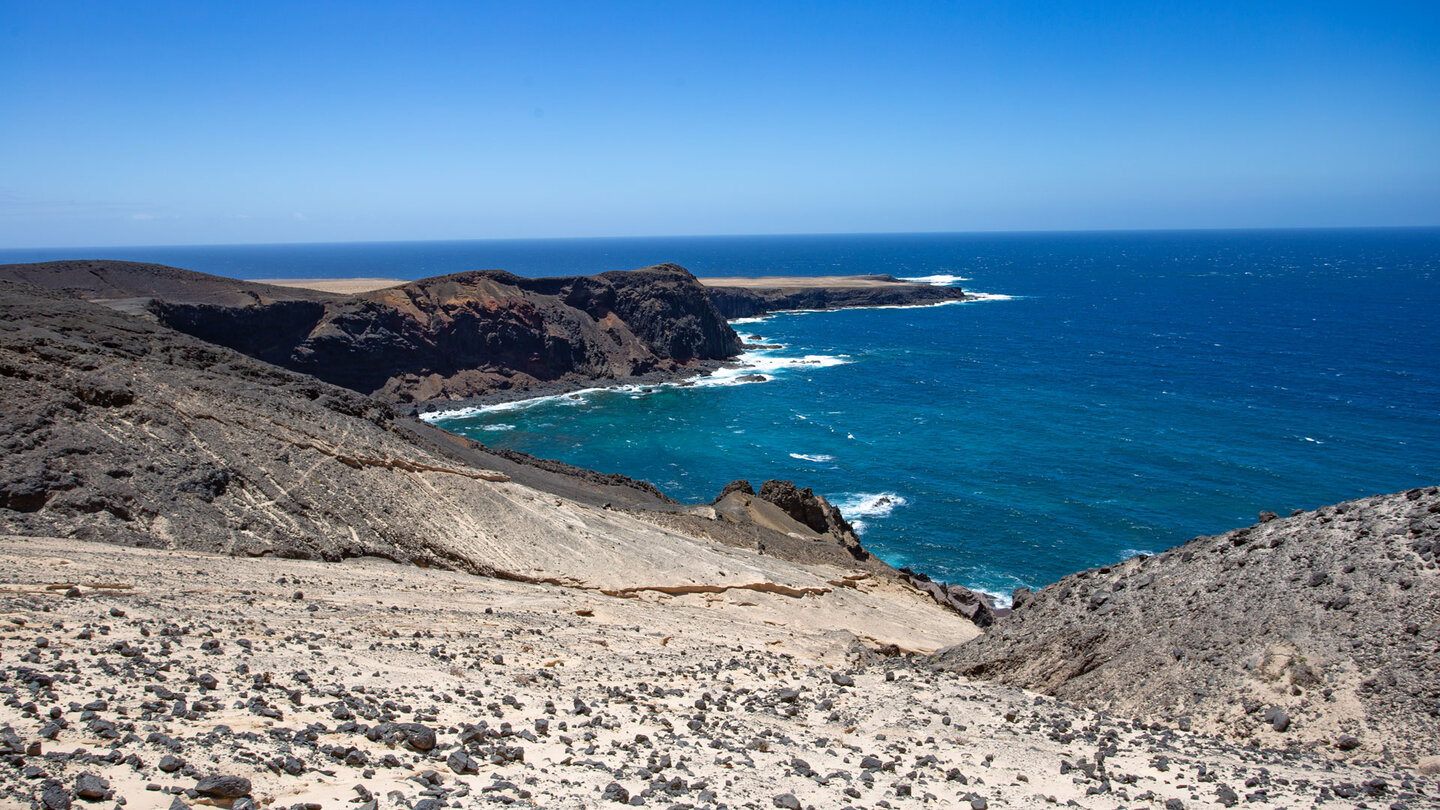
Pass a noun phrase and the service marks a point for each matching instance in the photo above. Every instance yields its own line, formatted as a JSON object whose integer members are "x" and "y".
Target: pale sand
{"x": 638, "y": 691}
{"x": 344, "y": 286}
{"x": 807, "y": 282}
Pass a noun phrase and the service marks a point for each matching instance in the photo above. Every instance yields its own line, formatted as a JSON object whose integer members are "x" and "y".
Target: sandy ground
{"x": 805, "y": 282}
{"x": 344, "y": 286}
{"x": 337, "y": 684}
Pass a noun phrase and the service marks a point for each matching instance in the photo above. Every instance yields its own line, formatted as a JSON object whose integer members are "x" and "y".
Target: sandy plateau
{"x": 340, "y": 684}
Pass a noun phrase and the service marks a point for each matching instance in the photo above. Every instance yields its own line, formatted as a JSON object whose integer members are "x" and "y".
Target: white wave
{"x": 756, "y": 319}
{"x": 858, "y": 506}
{"x": 819, "y": 458}
{"x": 869, "y": 504}
{"x": 974, "y": 296}
{"x": 760, "y": 366}
{"x": 938, "y": 280}
{"x": 996, "y": 599}
{"x": 569, "y": 398}
{"x": 498, "y": 427}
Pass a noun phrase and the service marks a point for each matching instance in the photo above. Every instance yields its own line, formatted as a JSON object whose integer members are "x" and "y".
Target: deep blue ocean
{"x": 1132, "y": 390}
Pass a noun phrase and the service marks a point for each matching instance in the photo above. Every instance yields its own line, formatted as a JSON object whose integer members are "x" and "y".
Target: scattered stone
{"x": 223, "y": 787}
{"x": 786, "y": 801}
{"x": 91, "y": 788}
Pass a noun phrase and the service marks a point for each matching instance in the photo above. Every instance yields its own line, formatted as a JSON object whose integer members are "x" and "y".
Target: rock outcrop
{"x": 798, "y": 513}
{"x": 446, "y": 338}
{"x": 1323, "y": 628}
{"x": 973, "y": 606}
{"x": 758, "y": 297}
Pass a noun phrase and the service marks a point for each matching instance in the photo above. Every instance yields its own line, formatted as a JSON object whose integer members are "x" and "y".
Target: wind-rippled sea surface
{"x": 1134, "y": 389}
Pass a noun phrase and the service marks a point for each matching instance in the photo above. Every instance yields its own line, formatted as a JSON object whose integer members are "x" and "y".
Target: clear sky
{"x": 134, "y": 123}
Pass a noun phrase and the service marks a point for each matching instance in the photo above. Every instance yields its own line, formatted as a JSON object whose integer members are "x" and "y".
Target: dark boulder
{"x": 218, "y": 786}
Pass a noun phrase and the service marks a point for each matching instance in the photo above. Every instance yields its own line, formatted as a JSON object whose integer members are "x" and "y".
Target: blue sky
{"x": 191, "y": 123}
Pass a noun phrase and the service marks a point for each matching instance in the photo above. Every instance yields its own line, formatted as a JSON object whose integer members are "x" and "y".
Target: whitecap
{"x": 819, "y": 458}
{"x": 857, "y": 506}
{"x": 498, "y": 427}
{"x": 937, "y": 280}
{"x": 569, "y": 398}
{"x": 758, "y": 366}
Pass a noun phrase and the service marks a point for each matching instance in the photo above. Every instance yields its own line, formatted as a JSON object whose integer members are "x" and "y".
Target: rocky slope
{"x": 747, "y": 298}
{"x": 446, "y": 338}
{"x": 120, "y": 430}
{"x": 170, "y": 679}
{"x": 1322, "y": 628}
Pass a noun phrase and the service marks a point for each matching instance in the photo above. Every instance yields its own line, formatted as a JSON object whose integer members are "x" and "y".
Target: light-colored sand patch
{"x": 343, "y": 286}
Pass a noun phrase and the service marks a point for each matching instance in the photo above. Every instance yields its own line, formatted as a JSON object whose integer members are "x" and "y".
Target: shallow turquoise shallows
{"x": 1135, "y": 390}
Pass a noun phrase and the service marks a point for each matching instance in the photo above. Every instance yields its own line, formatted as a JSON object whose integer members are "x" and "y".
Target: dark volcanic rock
{"x": 442, "y": 338}
{"x": 738, "y": 485}
{"x": 962, "y": 600}
{"x": 472, "y": 333}
{"x": 417, "y": 736}
{"x": 223, "y": 787}
{"x": 1326, "y": 618}
{"x": 747, "y": 302}
{"x": 809, "y": 510}
{"x": 803, "y": 505}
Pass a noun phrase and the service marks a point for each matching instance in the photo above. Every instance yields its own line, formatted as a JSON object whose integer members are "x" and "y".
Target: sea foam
{"x": 818, "y": 458}
{"x": 858, "y": 506}
{"x": 938, "y": 280}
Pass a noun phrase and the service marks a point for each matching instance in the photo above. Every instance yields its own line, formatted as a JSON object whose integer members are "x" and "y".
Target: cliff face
{"x": 448, "y": 337}
{"x": 1321, "y": 627}
{"x": 465, "y": 335}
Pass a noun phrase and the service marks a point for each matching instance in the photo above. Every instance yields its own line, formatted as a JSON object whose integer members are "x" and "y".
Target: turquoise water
{"x": 1134, "y": 391}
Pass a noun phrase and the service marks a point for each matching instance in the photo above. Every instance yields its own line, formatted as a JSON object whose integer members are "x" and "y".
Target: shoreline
{"x": 457, "y": 409}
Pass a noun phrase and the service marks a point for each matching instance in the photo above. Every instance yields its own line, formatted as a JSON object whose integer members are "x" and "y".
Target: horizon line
{"x": 1015, "y": 232}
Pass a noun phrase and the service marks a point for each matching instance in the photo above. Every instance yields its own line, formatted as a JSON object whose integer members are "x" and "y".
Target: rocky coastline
{"x": 753, "y": 297}
{"x": 224, "y": 582}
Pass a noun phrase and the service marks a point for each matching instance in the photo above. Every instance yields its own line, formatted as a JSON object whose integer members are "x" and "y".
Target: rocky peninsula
{"x": 227, "y": 582}
{"x": 456, "y": 340}
{"x": 750, "y": 297}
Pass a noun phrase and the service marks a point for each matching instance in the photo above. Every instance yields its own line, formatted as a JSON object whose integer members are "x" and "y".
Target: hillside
{"x": 119, "y": 430}
{"x": 1322, "y": 628}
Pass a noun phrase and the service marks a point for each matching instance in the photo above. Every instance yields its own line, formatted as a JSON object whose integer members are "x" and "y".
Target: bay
{"x": 1133, "y": 390}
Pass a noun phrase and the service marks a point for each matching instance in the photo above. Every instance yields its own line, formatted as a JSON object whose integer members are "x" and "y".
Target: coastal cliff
{"x": 458, "y": 338}
{"x": 444, "y": 338}
{"x": 465, "y": 335}
{"x": 751, "y": 297}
